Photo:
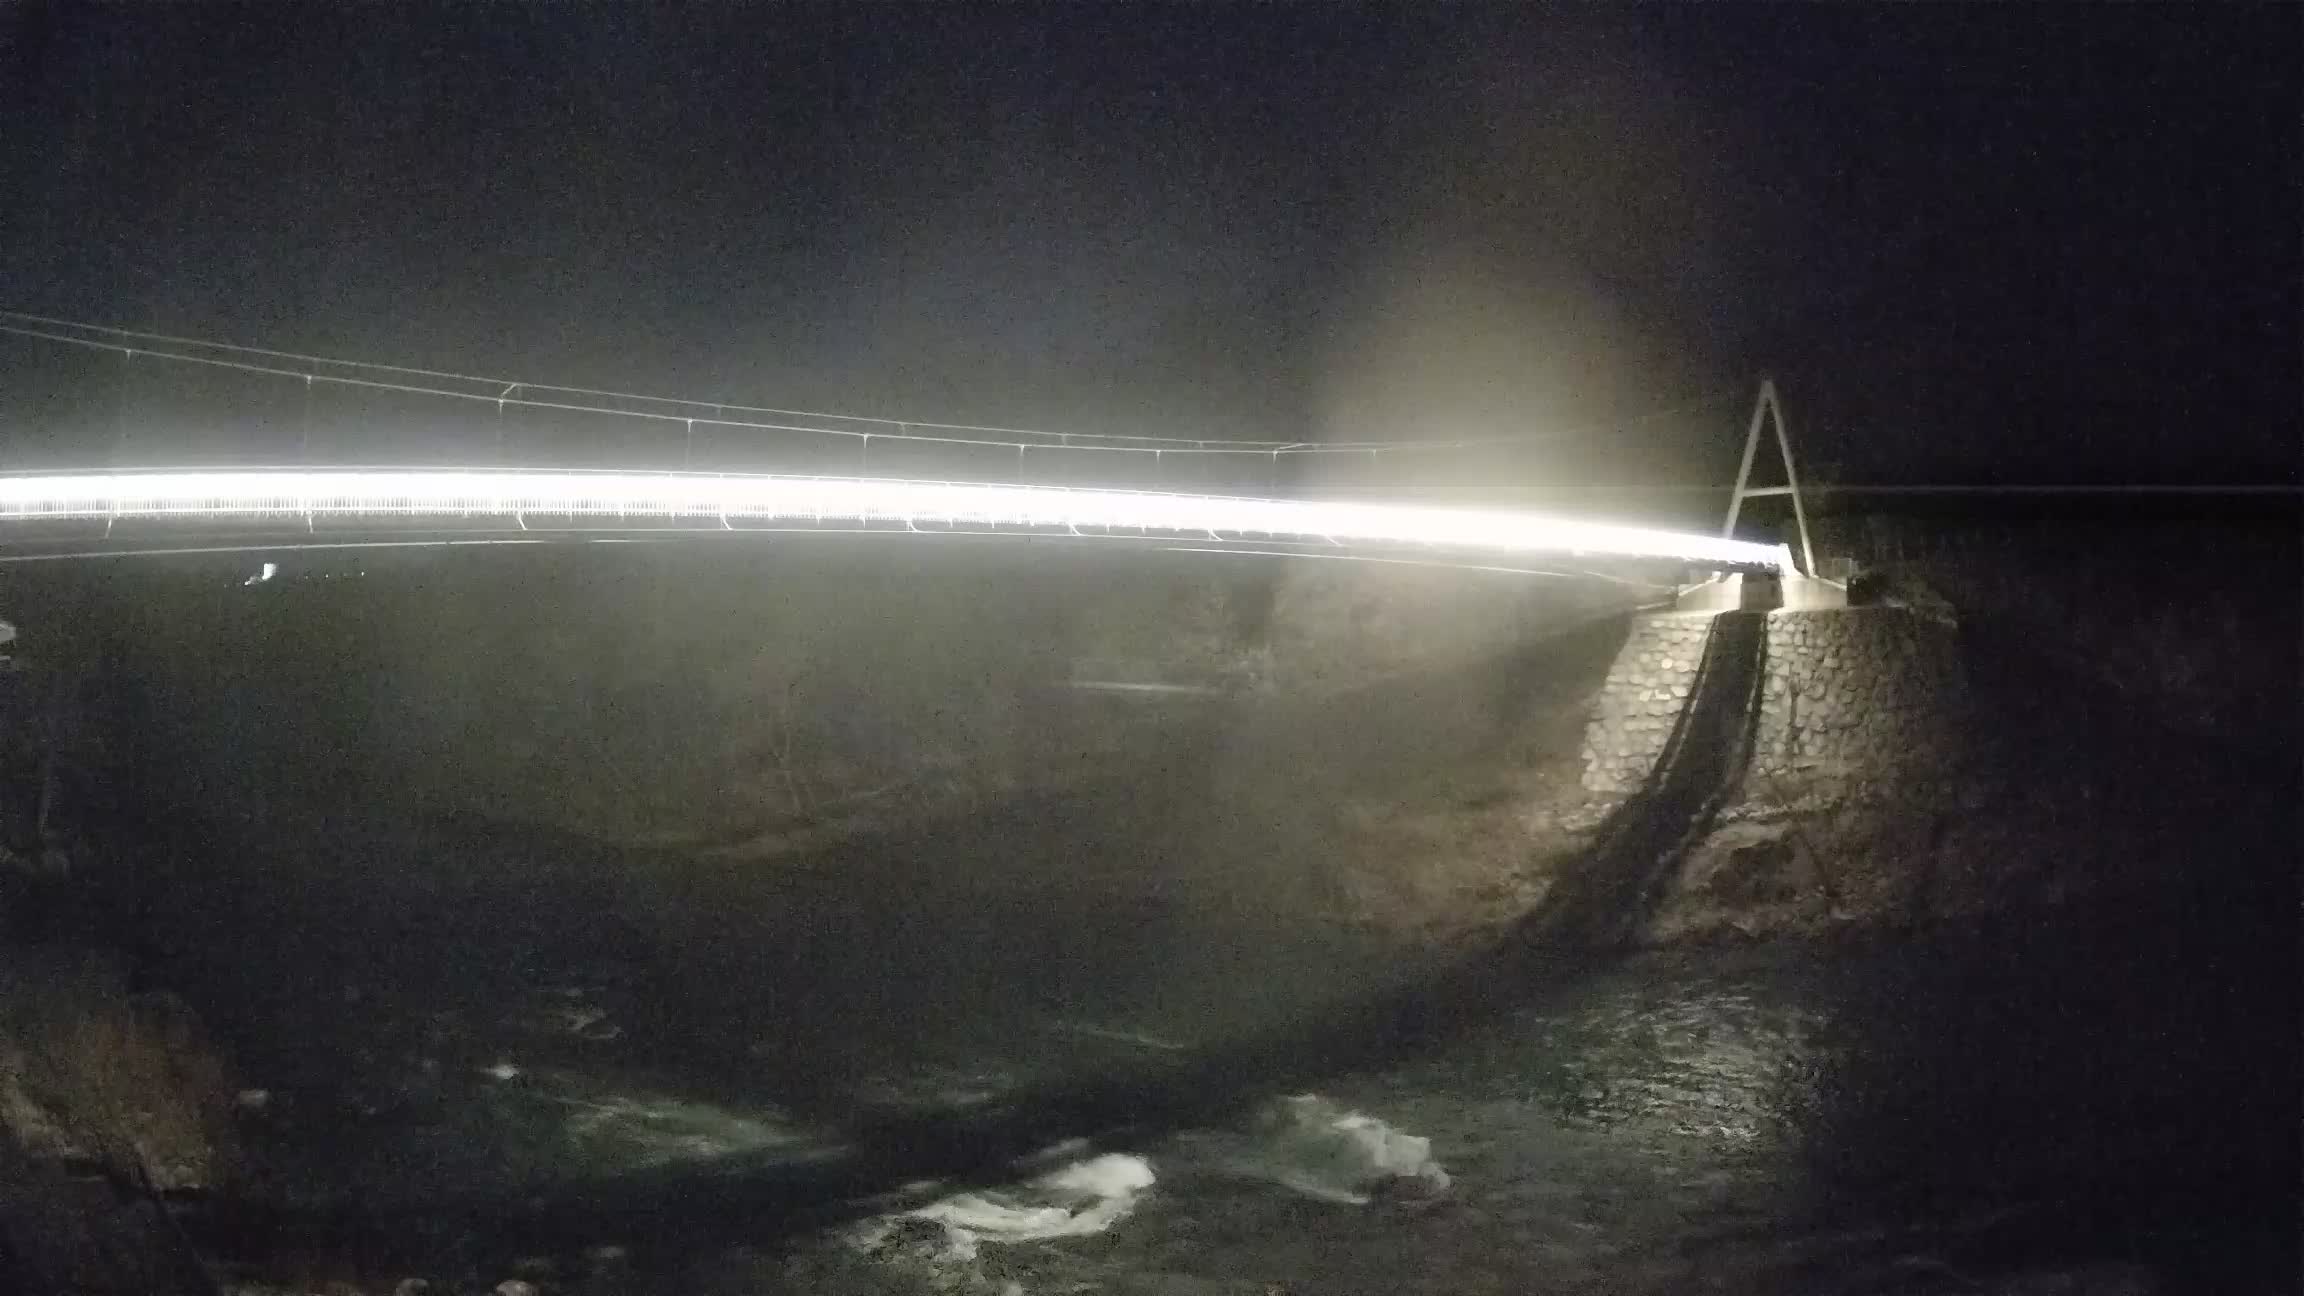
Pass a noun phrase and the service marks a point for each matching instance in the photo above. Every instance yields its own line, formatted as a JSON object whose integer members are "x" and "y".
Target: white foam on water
{"x": 649, "y": 1129}
{"x": 1305, "y": 1143}
{"x": 1312, "y": 1146}
{"x": 1085, "y": 1197}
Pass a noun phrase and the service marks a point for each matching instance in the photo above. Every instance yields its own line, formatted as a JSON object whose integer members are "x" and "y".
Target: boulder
{"x": 108, "y": 1102}
{"x": 91, "y": 1075}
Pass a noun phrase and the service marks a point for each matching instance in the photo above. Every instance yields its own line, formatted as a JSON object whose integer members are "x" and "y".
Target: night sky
{"x": 1995, "y": 244}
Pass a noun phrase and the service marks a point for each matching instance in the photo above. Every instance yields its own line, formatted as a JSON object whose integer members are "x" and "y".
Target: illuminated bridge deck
{"x": 73, "y": 514}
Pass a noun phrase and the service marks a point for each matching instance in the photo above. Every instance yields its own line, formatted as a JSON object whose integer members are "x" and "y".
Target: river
{"x": 2097, "y": 1100}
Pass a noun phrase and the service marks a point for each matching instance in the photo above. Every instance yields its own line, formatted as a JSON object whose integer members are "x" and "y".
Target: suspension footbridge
{"x": 519, "y": 461}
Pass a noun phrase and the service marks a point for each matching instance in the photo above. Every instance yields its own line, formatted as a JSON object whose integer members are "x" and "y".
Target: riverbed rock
{"x": 91, "y": 1075}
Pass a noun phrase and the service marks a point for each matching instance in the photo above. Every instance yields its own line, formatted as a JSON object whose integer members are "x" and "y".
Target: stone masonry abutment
{"x": 1853, "y": 698}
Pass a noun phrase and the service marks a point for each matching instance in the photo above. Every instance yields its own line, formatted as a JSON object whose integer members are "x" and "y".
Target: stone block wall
{"x": 1641, "y": 699}
{"x": 1853, "y": 697}
{"x": 1859, "y": 695}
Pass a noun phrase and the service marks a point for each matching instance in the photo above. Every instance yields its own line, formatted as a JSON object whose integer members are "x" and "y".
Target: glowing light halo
{"x": 463, "y": 493}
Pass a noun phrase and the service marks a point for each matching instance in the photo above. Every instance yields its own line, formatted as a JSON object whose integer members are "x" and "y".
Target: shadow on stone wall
{"x": 1607, "y": 899}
